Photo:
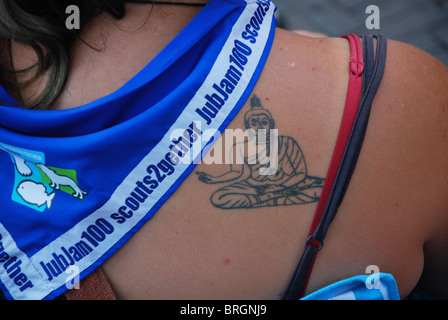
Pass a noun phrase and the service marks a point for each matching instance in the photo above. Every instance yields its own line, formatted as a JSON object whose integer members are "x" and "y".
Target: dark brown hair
{"x": 41, "y": 24}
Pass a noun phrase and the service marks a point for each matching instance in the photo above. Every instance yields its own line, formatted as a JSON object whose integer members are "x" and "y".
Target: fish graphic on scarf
{"x": 36, "y": 183}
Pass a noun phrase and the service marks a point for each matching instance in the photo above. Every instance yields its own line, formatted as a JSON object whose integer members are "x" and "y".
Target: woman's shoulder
{"x": 412, "y": 99}
{"x": 403, "y": 166}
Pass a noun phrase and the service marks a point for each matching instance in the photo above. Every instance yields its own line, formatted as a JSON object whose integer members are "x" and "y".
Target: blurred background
{"x": 422, "y": 23}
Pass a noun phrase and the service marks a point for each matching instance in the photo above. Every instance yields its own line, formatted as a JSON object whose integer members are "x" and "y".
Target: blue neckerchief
{"x": 378, "y": 286}
{"x": 77, "y": 183}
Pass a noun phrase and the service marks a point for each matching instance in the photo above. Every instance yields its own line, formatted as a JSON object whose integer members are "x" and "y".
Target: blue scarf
{"x": 78, "y": 183}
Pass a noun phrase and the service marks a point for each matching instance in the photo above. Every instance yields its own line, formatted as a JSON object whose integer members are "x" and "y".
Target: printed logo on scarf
{"x": 37, "y": 185}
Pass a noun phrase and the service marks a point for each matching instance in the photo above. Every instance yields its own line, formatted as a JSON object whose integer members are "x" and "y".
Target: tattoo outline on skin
{"x": 247, "y": 185}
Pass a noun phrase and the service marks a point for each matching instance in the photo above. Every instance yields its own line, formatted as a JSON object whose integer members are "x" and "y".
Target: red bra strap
{"x": 348, "y": 119}
{"x": 349, "y": 116}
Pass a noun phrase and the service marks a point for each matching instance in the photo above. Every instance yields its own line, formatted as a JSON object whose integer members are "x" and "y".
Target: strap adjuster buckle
{"x": 356, "y": 67}
{"x": 314, "y": 243}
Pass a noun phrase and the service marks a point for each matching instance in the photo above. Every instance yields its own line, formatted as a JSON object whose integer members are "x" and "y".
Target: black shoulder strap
{"x": 373, "y": 74}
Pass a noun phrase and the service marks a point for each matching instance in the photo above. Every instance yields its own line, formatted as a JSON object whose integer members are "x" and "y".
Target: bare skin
{"x": 394, "y": 215}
